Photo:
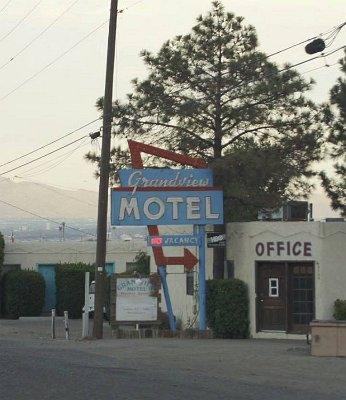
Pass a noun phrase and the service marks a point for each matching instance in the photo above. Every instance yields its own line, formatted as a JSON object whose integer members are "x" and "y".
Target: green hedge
{"x": 228, "y": 308}
{"x": 70, "y": 286}
{"x": 340, "y": 309}
{"x": 23, "y": 293}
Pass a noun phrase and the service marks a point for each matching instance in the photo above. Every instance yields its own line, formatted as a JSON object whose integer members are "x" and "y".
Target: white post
{"x": 53, "y": 323}
{"x": 67, "y": 332}
{"x": 85, "y": 320}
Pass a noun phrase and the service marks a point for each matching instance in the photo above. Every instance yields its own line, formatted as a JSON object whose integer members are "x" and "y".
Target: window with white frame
{"x": 273, "y": 287}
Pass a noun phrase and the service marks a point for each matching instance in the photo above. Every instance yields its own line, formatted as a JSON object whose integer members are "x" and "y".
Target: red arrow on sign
{"x": 136, "y": 148}
{"x": 188, "y": 260}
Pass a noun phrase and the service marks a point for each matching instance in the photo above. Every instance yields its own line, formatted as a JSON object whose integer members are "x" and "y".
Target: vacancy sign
{"x": 173, "y": 240}
{"x": 167, "y": 206}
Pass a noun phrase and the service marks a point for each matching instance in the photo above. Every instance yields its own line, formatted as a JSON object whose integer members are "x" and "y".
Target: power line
{"x": 332, "y": 33}
{"x": 54, "y": 162}
{"x": 48, "y": 144}
{"x": 21, "y": 20}
{"x": 244, "y": 83}
{"x": 311, "y": 59}
{"x": 52, "y": 62}
{"x": 317, "y": 68}
{"x": 40, "y": 34}
{"x": 39, "y": 158}
{"x": 46, "y": 218}
{"x": 260, "y": 78}
{"x": 59, "y": 57}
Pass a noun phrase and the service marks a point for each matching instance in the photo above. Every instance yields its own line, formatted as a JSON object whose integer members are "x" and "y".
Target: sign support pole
{"x": 201, "y": 280}
{"x": 163, "y": 274}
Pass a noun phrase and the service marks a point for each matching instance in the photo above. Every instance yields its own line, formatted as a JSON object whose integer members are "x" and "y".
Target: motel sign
{"x": 155, "y": 197}
{"x": 167, "y": 206}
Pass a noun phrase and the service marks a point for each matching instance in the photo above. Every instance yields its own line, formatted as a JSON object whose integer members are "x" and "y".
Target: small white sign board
{"x": 134, "y": 300}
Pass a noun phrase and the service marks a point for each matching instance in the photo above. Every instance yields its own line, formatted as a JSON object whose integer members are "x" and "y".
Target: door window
{"x": 273, "y": 287}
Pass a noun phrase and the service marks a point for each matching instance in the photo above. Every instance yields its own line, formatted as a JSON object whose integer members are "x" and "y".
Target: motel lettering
{"x": 155, "y": 208}
{"x": 165, "y": 206}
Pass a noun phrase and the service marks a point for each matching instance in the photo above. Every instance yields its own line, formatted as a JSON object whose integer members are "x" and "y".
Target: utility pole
{"x": 104, "y": 176}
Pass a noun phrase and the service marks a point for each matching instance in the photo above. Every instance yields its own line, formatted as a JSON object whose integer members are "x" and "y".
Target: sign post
{"x": 171, "y": 318}
{"x": 201, "y": 280}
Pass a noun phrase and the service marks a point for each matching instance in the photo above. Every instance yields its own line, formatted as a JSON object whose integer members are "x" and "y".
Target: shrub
{"x": 143, "y": 263}
{"x": 228, "y": 308}
{"x": 340, "y": 309}
{"x": 23, "y": 293}
{"x": 70, "y": 286}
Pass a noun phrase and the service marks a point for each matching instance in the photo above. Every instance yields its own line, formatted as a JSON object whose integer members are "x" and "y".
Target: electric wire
{"x": 332, "y": 33}
{"x": 259, "y": 79}
{"x": 50, "y": 143}
{"x": 53, "y": 61}
{"x": 40, "y": 34}
{"x": 60, "y": 56}
{"x": 243, "y": 83}
{"x": 53, "y": 163}
{"x": 21, "y": 20}
{"x": 317, "y": 68}
{"x": 323, "y": 55}
{"x": 46, "y": 218}
{"x": 44, "y": 155}
{"x": 330, "y": 39}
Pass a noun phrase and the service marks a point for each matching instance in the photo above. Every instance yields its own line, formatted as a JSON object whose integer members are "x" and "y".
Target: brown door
{"x": 271, "y": 297}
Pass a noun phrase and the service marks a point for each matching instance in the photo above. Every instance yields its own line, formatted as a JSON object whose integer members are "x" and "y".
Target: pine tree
{"x": 213, "y": 94}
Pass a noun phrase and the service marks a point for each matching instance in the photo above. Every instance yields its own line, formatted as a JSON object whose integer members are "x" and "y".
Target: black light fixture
{"x": 316, "y": 46}
{"x": 95, "y": 135}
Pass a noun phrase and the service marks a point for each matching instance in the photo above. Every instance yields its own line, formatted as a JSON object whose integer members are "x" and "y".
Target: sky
{"x": 53, "y": 62}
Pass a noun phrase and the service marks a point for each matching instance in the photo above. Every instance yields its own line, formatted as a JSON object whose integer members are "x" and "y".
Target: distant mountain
{"x": 27, "y": 199}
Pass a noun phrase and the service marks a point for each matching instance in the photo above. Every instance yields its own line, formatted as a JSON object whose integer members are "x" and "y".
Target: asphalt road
{"x": 34, "y": 366}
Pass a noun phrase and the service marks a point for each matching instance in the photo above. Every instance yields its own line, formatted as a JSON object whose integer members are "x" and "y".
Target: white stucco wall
{"x": 330, "y": 268}
{"x": 325, "y": 246}
{"x": 30, "y": 254}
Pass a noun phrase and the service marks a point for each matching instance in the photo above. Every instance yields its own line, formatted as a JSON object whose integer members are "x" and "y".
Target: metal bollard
{"x": 67, "y": 331}
{"x": 53, "y": 323}
{"x": 85, "y": 320}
